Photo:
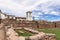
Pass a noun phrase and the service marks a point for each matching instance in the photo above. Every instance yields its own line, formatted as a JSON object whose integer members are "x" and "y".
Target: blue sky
{"x": 41, "y": 9}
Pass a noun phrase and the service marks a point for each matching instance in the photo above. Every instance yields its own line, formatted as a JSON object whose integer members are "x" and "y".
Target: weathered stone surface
{"x": 2, "y": 32}
{"x": 11, "y": 34}
{"x": 21, "y": 38}
{"x": 50, "y": 36}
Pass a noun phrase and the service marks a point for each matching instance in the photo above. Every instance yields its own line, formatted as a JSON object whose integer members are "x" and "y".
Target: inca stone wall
{"x": 31, "y": 24}
{"x": 46, "y": 25}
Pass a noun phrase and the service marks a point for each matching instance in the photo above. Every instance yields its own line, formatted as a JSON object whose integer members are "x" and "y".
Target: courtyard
{"x": 23, "y": 33}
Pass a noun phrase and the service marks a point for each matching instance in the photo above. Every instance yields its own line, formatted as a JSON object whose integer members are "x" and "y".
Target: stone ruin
{"x": 8, "y": 33}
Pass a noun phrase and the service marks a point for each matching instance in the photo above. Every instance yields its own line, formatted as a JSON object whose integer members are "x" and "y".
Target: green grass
{"x": 55, "y": 31}
{"x": 26, "y": 34}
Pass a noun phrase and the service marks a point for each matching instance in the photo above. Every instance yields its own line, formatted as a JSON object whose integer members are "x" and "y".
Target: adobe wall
{"x": 14, "y": 23}
{"x": 46, "y": 25}
{"x": 32, "y": 24}
{"x": 57, "y": 25}
{"x": 28, "y": 24}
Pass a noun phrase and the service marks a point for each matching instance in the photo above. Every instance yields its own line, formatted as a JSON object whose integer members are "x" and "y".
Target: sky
{"x": 41, "y": 9}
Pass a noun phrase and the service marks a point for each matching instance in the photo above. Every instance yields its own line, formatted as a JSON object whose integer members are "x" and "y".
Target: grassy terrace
{"x": 53, "y": 30}
{"x": 23, "y": 33}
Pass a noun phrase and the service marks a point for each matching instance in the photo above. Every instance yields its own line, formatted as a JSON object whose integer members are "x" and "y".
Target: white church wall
{"x": 29, "y": 16}
{"x": 2, "y": 16}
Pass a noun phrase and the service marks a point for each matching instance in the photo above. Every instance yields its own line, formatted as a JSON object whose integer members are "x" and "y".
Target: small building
{"x": 11, "y": 17}
{"x": 20, "y": 18}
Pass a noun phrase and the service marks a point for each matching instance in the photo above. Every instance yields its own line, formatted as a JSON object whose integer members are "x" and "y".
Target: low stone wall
{"x": 41, "y": 36}
{"x": 38, "y": 36}
{"x": 50, "y": 37}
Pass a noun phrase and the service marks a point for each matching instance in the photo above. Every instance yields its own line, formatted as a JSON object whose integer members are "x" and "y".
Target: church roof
{"x": 28, "y": 12}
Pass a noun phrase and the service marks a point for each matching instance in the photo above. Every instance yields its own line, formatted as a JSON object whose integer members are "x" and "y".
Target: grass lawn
{"x": 23, "y": 33}
{"x": 55, "y": 31}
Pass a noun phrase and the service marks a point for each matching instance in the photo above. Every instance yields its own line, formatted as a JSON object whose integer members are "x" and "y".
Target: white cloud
{"x": 36, "y": 16}
{"x": 49, "y": 7}
{"x": 40, "y": 13}
{"x": 54, "y": 13}
{"x": 20, "y": 6}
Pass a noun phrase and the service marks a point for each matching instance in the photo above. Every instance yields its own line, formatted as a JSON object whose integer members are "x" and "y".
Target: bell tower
{"x": 29, "y": 15}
